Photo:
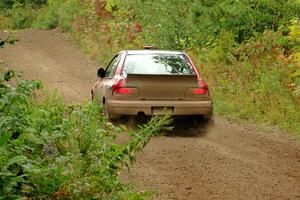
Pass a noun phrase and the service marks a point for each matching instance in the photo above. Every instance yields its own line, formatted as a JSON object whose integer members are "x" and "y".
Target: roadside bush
{"x": 8, "y": 4}
{"x": 257, "y": 76}
{"x": 47, "y": 18}
{"x": 44, "y": 14}
{"x": 166, "y": 24}
{"x": 243, "y": 18}
{"x": 58, "y": 13}
{"x": 189, "y": 24}
{"x": 51, "y": 151}
{"x": 20, "y": 16}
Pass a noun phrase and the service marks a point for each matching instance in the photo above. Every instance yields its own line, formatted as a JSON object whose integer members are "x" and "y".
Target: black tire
{"x": 92, "y": 95}
{"x": 209, "y": 120}
{"x": 114, "y": 120}
{"x": 131, "y": 123}
{"x": 105, "y": 112}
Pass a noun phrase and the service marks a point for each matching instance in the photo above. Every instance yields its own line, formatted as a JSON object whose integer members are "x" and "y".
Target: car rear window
{"x": 157, "y": 64}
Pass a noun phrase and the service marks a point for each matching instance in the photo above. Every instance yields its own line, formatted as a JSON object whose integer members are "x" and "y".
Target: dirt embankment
{"x": 228, "y": 162}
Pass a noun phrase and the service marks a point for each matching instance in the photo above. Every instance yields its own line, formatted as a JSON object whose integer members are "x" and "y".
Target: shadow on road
{"x": 182, "y": 127}
{"x": 187, "y": 127}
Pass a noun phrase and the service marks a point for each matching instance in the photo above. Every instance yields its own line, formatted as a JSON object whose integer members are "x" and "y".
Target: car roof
{"x": 146, "y": 52}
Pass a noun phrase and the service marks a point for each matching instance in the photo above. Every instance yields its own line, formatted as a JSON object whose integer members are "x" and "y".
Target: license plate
{"x": 162, "y": 110}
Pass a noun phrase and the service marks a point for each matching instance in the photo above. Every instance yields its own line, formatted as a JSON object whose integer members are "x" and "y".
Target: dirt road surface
{"x": 229, "y": 161}
{"x": 51, "y": 57}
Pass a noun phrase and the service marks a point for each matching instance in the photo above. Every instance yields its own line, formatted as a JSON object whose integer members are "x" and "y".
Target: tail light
{"x": 200, "y": 91}
{"x": 195, "y": 93}
{"x": 203, "y": 87}
{"x": 128, "y": 91}
{"x": 120, "y": 91}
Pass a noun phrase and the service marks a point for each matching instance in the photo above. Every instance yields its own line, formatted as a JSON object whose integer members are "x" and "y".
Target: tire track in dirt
{"x": 228, "y": 162}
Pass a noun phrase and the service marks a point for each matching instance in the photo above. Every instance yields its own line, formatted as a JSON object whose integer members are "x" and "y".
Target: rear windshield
{"x": 157, "y": 64}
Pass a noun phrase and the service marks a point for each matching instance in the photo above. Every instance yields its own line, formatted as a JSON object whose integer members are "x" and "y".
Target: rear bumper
{"x": 133, "y": 107}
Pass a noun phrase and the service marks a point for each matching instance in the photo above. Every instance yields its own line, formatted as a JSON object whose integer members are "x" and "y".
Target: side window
{"x": 110, "y": 70}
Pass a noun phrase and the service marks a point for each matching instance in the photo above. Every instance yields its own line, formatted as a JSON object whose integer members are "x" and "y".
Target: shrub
{"x": 21, "y": 16}
{"x": 51, "y": 151}
{"x": 58, "y": 13}
{"x": 244, "y": 18}
{"x": 8, "y": 4}
{"x": 46, "y": 19}
{"x": 258, "y": 78}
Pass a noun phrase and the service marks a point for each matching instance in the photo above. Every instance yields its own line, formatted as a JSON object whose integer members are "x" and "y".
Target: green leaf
{"x": 4, "y": 138}
{"x": 296, "y": 74}
{"x": 6, "y": 173}
{"x": 16, "y": 159}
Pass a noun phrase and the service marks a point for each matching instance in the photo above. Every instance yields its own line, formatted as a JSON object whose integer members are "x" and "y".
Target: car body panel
{"x": 147, "y": 107}
{"x": 162, "y": 87}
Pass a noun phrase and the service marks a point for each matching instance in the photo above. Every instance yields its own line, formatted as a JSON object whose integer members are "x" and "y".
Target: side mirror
{"x": 101, "y": 72}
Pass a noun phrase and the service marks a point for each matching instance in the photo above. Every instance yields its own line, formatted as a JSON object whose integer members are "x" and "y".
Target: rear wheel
{"x": 105, "y": 112}
{"x": 111, "y": 118}
{"x": 209, "y": 120}
{"x": 133, "y": 122}
{"x": 203, "y": 120}
{"x": 92, "y": 95}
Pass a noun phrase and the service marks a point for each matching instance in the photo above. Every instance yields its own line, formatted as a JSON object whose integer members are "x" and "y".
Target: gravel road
{"x": 228, "y": 161}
